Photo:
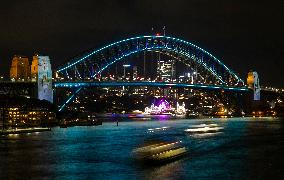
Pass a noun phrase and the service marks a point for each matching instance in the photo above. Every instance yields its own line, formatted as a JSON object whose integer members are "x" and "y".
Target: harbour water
{"x": 247, "y": 148}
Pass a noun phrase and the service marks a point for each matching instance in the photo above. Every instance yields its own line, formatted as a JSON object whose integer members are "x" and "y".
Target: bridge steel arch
{"x": 82, "y": 66}
{"x": 86, "y": 67}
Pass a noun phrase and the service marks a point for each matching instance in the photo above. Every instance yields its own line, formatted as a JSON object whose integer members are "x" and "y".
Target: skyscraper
{"x": 20, "y": 68}
{"x": 166, "y": 70}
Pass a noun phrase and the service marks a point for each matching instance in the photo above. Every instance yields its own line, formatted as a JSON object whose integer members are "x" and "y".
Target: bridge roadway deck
{"x": 142, "y": 83}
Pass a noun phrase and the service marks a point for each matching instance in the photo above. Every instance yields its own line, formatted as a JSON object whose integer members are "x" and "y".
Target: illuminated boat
{"x": 204, "y": 125}
{"x": 204, "y": 128}
{"x": 160, "y": 152}
{"x": 152, "y": 130}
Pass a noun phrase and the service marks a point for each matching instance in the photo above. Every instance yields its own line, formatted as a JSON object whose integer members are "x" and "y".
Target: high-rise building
{"x": 166, "y": 70}
{"x": 135, "y": 72}
{"x": 42, "y": 74}
{"x": 20, "y": 68}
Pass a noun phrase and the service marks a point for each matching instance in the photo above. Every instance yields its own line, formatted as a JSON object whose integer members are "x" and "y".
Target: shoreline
{"x": 23, "y": 131}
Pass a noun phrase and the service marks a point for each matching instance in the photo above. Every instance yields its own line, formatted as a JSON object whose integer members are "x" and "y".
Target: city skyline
{"x": 244, "y": 35}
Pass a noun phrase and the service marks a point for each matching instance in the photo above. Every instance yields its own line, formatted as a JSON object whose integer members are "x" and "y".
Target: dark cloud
{"x": 244, "y": 34}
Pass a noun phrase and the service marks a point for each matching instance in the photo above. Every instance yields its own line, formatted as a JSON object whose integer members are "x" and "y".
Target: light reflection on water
{"x": 243, "y": 149}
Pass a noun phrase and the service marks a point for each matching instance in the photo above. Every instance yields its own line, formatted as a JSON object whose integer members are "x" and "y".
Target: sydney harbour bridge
{"x": 108, "y": 67}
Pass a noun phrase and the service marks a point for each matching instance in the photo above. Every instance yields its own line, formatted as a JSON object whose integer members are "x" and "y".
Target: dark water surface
{"x": 248, "y": 148}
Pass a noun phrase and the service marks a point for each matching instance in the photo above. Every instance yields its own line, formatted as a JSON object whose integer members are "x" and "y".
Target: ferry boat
{"x": 204, "y": 128}
{"x": 160, "y": 152}
{"x": 152, "y": 130}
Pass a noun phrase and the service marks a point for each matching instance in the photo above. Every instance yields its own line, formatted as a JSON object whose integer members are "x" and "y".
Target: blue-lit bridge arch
{"x": 83, "y": 70}
{"x": 85, "y": 66}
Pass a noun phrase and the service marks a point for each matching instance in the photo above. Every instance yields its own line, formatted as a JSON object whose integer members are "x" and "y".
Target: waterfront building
{"x": 25, "y": 112}
{"x": 18, "y": 117}
{"x": 20, "y": 68}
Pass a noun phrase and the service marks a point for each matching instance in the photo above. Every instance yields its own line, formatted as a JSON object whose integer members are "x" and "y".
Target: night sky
{"x": 244, "y": 34}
